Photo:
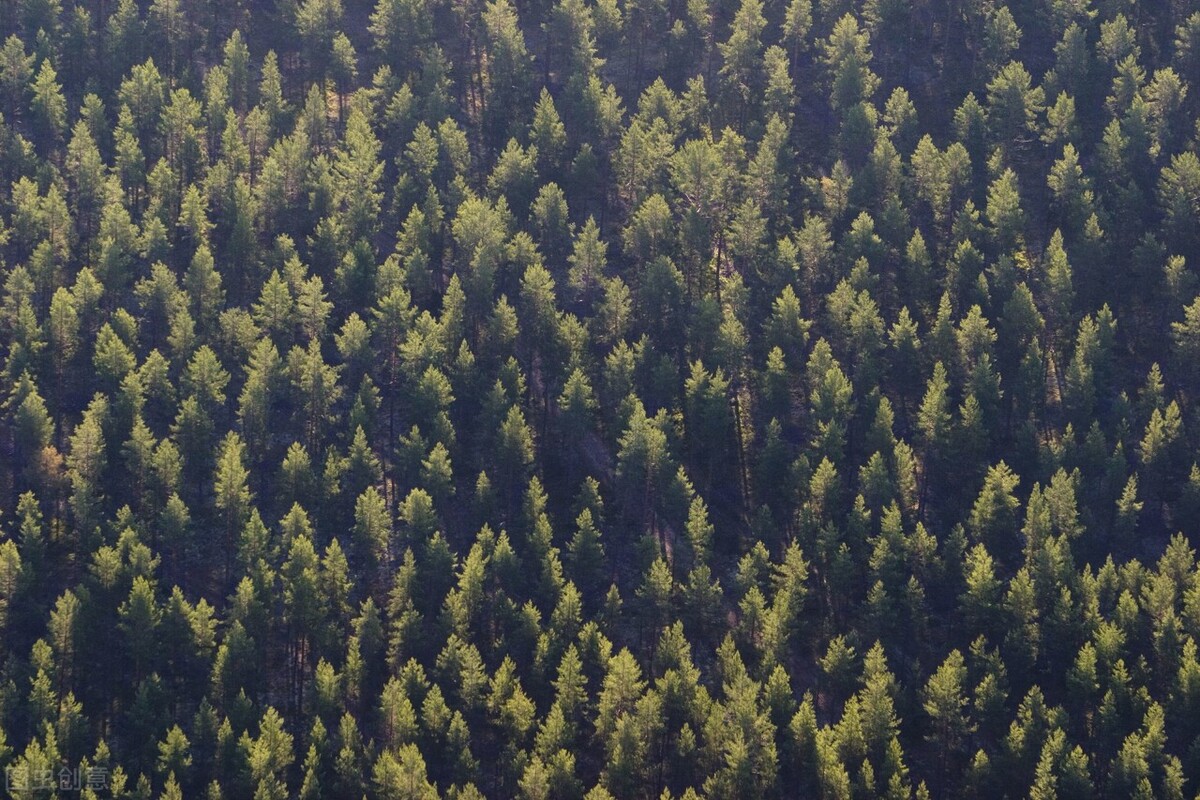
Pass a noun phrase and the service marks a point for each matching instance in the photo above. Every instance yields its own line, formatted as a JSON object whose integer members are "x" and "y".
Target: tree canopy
{"x": 600, "y": 399}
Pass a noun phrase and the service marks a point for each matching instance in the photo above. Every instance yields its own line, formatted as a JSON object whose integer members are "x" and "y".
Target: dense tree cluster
{"x": 601, "y": 398}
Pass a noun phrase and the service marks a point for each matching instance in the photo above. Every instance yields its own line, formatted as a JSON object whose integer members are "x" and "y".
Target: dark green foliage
{"x": 566, "y": 399}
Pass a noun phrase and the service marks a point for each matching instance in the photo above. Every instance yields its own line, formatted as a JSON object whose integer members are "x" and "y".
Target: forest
{"x": 599, "y": 399}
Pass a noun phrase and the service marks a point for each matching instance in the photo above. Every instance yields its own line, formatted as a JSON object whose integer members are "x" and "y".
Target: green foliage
{"x": 609, "y": 400}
